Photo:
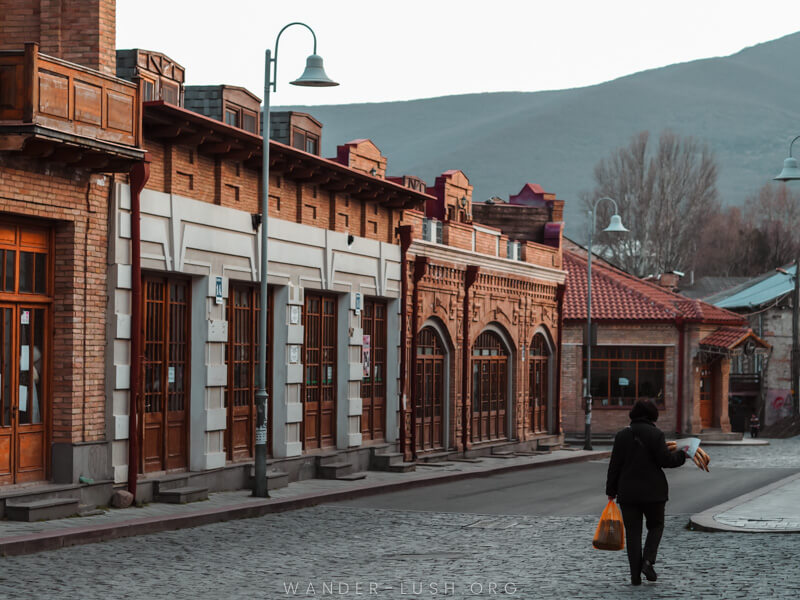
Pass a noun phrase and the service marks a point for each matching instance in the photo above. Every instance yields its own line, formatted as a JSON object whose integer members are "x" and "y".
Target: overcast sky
{"x": 382, "y": 50}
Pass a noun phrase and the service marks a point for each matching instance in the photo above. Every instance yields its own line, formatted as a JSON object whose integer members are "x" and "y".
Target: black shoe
{"x": 649, "y": 571}
{"x": 636, "y": 580}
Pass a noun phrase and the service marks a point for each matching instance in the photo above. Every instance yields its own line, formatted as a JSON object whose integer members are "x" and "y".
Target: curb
{"x": 705, "y": 521}
{"x": 53, "y": 540}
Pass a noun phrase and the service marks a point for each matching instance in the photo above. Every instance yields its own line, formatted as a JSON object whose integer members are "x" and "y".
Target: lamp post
{"x": 313, "y": 76}
{"x": 614, "y": 225}
{"x": 790, "y": 172}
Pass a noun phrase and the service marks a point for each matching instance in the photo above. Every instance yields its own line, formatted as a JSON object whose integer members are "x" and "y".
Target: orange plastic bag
{"x": 610, "y": 533}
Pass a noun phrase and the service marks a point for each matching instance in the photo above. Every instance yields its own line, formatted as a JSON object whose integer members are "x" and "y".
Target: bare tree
{"x": 665, "y": 194}
{"x": 755, "y": 239}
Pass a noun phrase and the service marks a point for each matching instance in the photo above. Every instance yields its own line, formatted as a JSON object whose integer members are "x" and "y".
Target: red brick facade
{"x": 75, "y": 205}
{"x": 75, "y": 30}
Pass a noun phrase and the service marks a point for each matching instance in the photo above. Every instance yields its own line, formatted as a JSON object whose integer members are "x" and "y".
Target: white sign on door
{"x": 25, "y": 317}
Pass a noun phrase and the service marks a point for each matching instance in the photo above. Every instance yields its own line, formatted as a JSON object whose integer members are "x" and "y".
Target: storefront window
{"x": 622, "y": 375}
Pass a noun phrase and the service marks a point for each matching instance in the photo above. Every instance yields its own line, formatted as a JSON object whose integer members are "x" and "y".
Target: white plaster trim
{"x": 215, "y": 460}
{"x": 120, "y": 473}
{"x": 216, "y": 419}
{"x": 294, "y": 448}
{"x": 355, "y": 408}
{"x": 294, "y": 412}
{"x": 353, "y": 439}
{"x": 216, "y": 375}
{"x": 121, "y": 423}
{"x": 504, "y": 265}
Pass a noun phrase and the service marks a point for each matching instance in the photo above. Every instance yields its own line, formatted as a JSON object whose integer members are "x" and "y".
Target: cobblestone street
{"x": 401, "y": 555}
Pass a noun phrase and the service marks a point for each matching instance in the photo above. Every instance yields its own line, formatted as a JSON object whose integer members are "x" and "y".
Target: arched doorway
{"x": 429, "y": 370}
{"x": 539, "y": 384}
{"x": 489, "y": 387}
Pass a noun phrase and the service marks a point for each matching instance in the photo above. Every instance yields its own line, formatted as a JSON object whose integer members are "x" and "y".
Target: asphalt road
{"x": 571, "y": 490}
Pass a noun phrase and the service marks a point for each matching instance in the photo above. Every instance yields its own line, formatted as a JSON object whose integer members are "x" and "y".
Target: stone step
{"x": 275, "y": 479}
{"x": 434, "y": 457}
{"x": 352, "y": 476}
{"x": 502, "y": 454}
{"x": 403, "y": 467}
{"x": 548, "y": 446}
{"x": 42, "y": 510}
{"x": 182, "y": 495}
{"x": 385, "y": 459}
{"x": 466, "y": 460}
{"x": 334, "y": 470}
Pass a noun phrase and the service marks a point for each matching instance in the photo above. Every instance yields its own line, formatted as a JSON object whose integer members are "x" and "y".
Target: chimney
{"x": 79, "y": 31}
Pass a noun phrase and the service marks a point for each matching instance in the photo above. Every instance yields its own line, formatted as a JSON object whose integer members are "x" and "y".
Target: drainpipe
{"x": 139, "y": 175}
{"x": 681, "y": 352}
{"x": 405, "y": 232}
{"x": 420, "y": 268}
{"x": 470, "y": 277}
{"x": 560, "y": 302}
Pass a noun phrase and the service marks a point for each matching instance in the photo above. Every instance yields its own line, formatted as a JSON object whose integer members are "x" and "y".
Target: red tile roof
{"x": 729, "y": 338}
{"x": 618, "y": 296}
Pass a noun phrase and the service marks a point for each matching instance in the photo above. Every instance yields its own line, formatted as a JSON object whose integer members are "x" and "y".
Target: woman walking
{"x": 636, "y": 480}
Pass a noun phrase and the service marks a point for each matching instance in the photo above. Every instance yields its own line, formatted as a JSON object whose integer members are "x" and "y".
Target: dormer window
{"x": 237, "y": 116}
{"x": 232, "y": 117}
{"x": 304, "y": 140}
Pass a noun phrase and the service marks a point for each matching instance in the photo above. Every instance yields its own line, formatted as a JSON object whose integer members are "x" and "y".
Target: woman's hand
{"x": 672, "y": 446}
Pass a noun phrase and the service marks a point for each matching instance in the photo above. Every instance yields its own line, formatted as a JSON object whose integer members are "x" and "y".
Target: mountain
{"x": 745, "y": 106}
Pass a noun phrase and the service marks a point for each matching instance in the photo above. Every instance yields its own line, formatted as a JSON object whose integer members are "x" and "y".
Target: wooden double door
{"x": 25, "y": 351}
{"x": 166, "y": 371}
{"x": 319, "y": 379}
{"x": 241, "y": 356}
{"x": 489, "y": 388}
{"x": 538, "y": 384}
{"x": 429, "y": 379}
{"x": 373, "y": 381}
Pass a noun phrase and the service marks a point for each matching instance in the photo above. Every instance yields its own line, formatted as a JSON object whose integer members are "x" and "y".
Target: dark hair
{"x": 644, "y": 409}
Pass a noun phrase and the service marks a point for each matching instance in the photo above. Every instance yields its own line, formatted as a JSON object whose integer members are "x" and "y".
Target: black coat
{"x": 635, "y": 472}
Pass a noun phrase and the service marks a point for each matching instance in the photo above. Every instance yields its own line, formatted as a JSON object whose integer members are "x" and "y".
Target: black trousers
{"x": 632, "y": 514}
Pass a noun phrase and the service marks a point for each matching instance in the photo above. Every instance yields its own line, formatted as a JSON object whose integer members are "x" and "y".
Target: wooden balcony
{"x": 65, "y": 113}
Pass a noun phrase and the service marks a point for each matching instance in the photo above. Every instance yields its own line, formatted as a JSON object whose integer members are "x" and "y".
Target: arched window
{"x": 539, "y": 385}
{"x": 429, "y": 402}
{"x": 489, "y": 387}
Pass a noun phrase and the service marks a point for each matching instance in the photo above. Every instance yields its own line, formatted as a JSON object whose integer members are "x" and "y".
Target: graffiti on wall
{"x": 778, "y": 406}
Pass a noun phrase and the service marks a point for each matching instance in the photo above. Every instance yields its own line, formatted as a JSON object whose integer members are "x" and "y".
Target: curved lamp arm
{"x": 792, "y": 144}
{"x": 273, "y": 60}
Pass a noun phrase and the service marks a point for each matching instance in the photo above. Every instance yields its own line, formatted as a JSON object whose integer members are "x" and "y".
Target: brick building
{"x": 762, "y": 384}
{"x": 650, "y": 343}
{"x": 68, "y": 130}
{"x": 129, "y": 233}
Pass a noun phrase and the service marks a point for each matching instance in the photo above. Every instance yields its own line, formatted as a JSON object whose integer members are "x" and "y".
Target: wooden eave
{"x": 170, "y": 124}
{"x": 67, "y": 149}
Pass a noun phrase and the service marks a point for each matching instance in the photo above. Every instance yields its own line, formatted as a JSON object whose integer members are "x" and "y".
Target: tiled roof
{"x": 729, "y": 338}
{"x": 619, "y": 296}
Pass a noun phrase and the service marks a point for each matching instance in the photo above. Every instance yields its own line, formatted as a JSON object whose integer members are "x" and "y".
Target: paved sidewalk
{"x": 773, "y": 508}
{"x": 25, "y": 538}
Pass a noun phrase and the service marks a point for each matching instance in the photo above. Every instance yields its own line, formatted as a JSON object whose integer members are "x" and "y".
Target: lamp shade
{"x": 790, "y": 170}
{"x": 314, "y": 75}
{"x": 615, "y": 224}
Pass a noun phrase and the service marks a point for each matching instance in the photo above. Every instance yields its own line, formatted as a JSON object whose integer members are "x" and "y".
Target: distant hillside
{"x": 746, "y": 106}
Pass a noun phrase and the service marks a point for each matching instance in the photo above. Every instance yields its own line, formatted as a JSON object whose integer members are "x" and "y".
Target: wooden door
{"x": 26, "y": 285}
{"x": 373, "y": 383}
{"x": 319, "y": 382}
{"x": 166, "y": 373}
{"x": 538, "y": 384}
{"x": 706, "y": 396}
{"x": 489, "y": 388}
{"x": 429, "y": 381}
{"x": 241, "y": 356}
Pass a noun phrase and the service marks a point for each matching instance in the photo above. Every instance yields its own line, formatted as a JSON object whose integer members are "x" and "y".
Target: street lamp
{"x": 313, "y": 76}
{"x": 790, "y": 172}
{"x": 615, "y": 225}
